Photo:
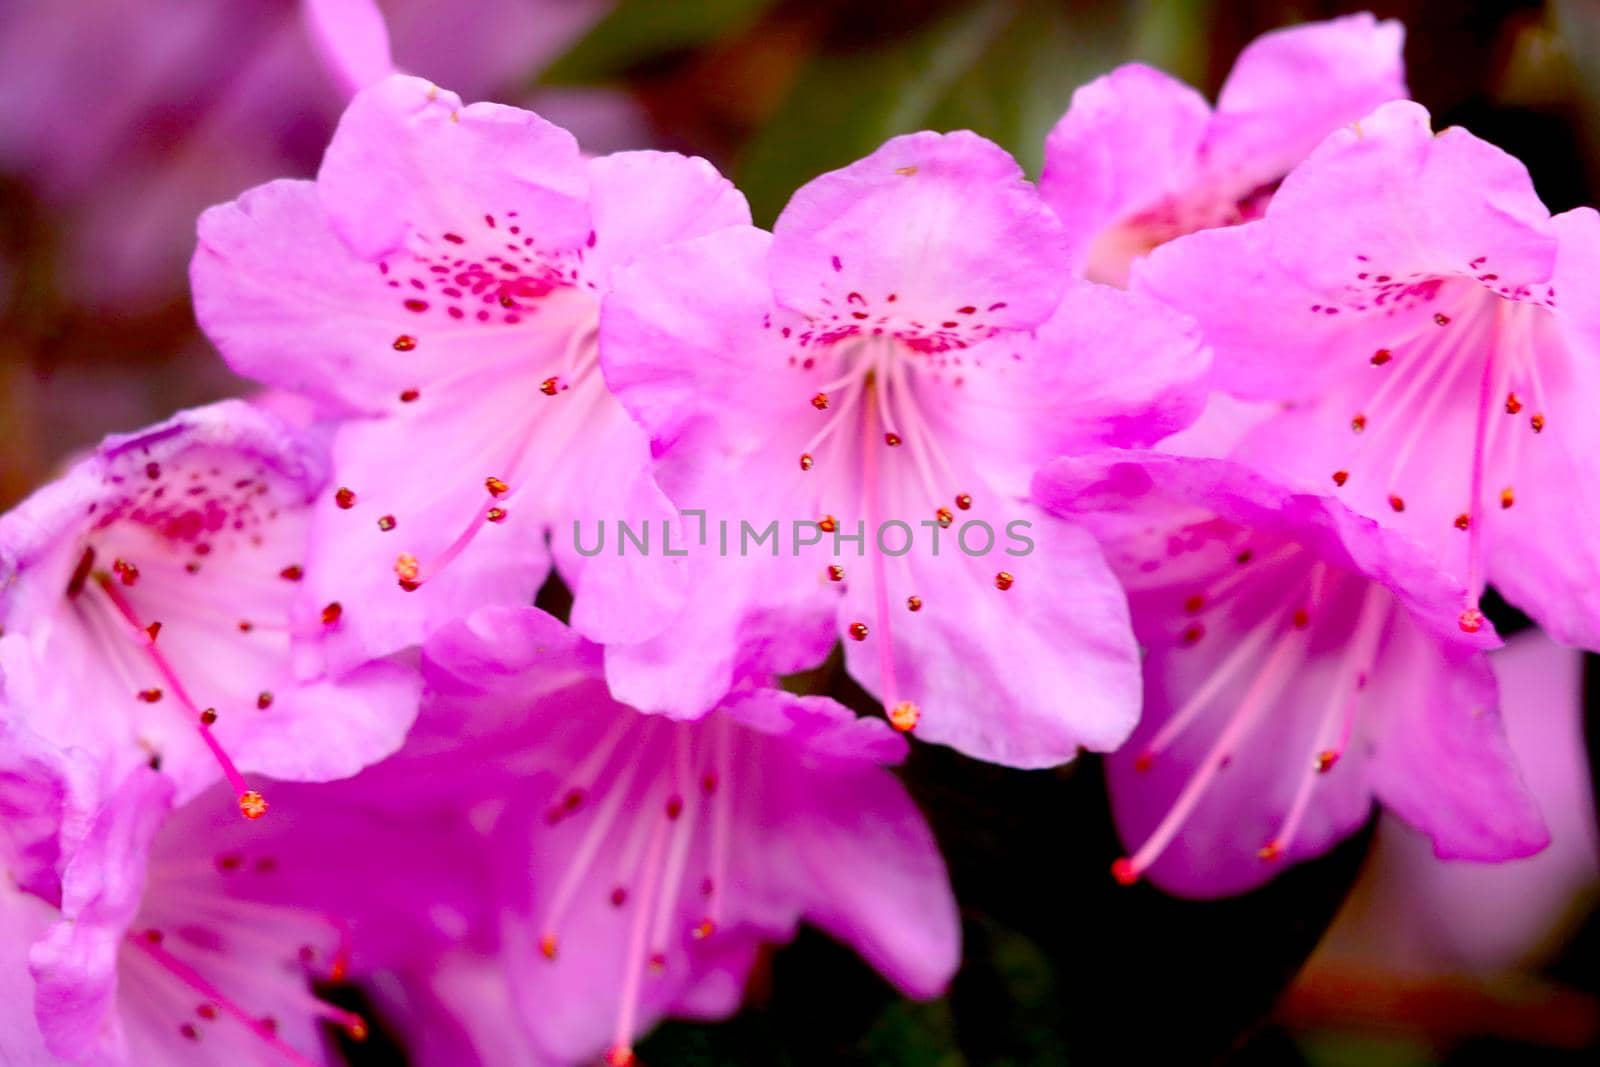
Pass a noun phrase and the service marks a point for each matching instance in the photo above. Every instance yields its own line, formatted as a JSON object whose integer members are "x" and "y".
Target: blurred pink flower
{"x": 902, "y": 352}
{"x": 1413, "y": 912}
{"x": 1301, "y": 662}
{"x": 643, "y": 862}
{"x": 1140, "y": 158}
{"x": 1431, "y": 333}
{"x": 151, "y": 607}
{"x": 128, "y": 117}
{"x": 439, "y": 286}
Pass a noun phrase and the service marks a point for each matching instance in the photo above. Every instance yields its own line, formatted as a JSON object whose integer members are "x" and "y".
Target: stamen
{"x": 251, "y": 804}
{"x": 1262, "y": 692}
{"x": 1349, "y": 681}
{"x": 152, "y": 947}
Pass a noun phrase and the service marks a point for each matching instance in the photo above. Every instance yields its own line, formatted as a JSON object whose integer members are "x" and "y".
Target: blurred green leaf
{"x": 640, "y": 30}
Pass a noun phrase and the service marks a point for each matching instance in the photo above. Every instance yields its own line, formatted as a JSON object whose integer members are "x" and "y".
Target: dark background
{"x": 1063, "y": 966}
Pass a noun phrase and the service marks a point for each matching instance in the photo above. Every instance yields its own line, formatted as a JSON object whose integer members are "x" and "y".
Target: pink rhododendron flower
{"x": 1301, "y": 661}
{"x": 439, "y": 283}
{"x": 895, "y": 360}
{"x": 1140, "y": 158}
{"x": 176, "y": 105}
{"x": 1432, "y": 332}
{"x": 151, "y": 602}
{"x": 644, "y": 861}
{"x": 139, "y": 933}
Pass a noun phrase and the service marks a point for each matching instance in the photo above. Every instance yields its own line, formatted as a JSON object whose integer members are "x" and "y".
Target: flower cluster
{"x": 1201, "y": 453}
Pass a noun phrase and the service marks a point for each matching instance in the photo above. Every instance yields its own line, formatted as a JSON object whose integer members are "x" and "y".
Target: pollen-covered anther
{"x": 1004, "y": 580}
{"x": 828, "y": 524}
{"x": 208, "y": 716}
{"x": 496, "y": 487}
{"x": 550, "y": 386}
{"x": 964, "y": 501}
{"x": 913, "y": 603}
{"x": 703, "y": 929}
{"x": 1463, "y": 521}
{"x": 835, "y": 573}
{"x": 495, "y": 515}
{"x": 264, "y": 700}
{"x": 858, "y": 631}
{"x": 153, "y": 631}
{"x": 892, "y": 439}
{"x": 1513, "y": 403}
{"x": 1507, "y": 497}
{"x": 1326, "y": 759}
{"x": 806, "y": 462}
{"x": 1397, "y": 502}
{"x": 1270, "y": 852}
{"x": 345, "y": 498}
{"x": 904, "y": 716}
{"x": 126, "y": 572}
{"x": 1441, "y": 319}
{"x": 621, "y": 1056}
{"x": 820, "y": 401}
{"x": 357, "y": 1029}
{"x": 1381, "y": 356}
{"x": 548, "y": 946}
{"x": 1358, "y": 424}
{"x": 150, "y": 696}
{"x": 1537, "y": 422}
{"x": 410, "y": 396}
{"x": 1470, "y": 620}
{"x": 386, "y": 523}
{"x": 405, "y": 343}
{"x": 1340, "y": 477}
{"x": 945, "y": 517}
{"x": 332, "y": 613}
{"x": 252, "y": 805}
{"x": 1124, "y": 871}
{"x": 292, "y": 573}
{"x": 406, "y": 570}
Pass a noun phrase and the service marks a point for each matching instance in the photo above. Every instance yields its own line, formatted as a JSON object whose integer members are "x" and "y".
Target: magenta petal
{"x": 1130, "y": 139}
{"x": 645, "y": 200}
{"x": 24, "y": 919}
{"x": 1290, "y": 88}
{"x": 929, "y": 230}
{"x": 1446, "y": 766}
{"x": 410, "y": 161}
{"x": 351, "y": 39}
{"x": 75, "y": 966}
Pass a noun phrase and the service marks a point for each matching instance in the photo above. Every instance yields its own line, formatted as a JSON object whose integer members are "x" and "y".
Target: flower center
{"x": 650, "y": 803}
{"x": 893, "y": 455}
{"x": 193, "y": 939}
{"x": 1465, "y": 383}
{"x": 1270, "y": 653}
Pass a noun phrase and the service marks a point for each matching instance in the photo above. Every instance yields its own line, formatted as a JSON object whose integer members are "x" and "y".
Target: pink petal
{"x": 929, "y": 230}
